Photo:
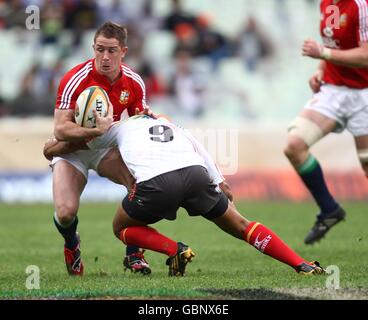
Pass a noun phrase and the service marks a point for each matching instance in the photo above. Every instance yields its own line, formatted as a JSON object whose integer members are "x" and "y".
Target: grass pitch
{"x": 224, "y": 268}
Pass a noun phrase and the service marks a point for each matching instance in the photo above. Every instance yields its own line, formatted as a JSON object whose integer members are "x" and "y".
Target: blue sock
{"x": 311, "y": 173}
{"x": 68, "y": 233}
{"x": 130, "y": 249}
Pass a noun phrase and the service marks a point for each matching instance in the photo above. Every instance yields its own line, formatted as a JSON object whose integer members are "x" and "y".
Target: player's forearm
{"x": 58, "y": 148}
{"x": 69, "y": 131}
{"x": 321, "y": 66}
{"x": 357, "y": 57}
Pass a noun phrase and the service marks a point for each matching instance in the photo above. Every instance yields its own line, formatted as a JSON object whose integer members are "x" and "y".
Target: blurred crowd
{"x": 196, "y": 39}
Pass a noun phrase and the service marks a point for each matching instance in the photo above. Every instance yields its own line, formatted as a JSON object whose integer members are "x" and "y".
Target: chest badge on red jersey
{"x": 124, "y": 97}
{"x": 343, "y": 20}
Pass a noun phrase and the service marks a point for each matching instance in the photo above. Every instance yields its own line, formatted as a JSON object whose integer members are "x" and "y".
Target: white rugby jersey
{"x": 150, "y": 147}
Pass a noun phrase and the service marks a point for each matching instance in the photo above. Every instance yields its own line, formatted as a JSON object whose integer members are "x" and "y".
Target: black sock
{"x": 130, "y": 249}
{"x": 311, "y": 173}
{"x": 69, "y": 233}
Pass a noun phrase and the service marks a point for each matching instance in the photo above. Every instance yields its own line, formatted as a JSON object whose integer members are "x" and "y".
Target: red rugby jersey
{"x": 127, "y": 93}
{"x": 351, "y": 29}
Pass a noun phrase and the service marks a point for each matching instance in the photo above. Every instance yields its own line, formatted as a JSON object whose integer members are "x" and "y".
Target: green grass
{"x": 223, "y": 268}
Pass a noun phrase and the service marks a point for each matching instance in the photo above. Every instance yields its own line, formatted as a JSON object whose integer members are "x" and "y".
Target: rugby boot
{"x": 312, "y": 268}
{"x": 136, "y": 262}
{"x": 73, "y": 260}
{"x": 323, "y": 225}
{"x": 178, "y": 262}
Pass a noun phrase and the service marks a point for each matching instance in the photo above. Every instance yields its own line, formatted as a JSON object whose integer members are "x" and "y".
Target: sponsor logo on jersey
{"x": 343, "y": 20}
{"x": 124, "y": 97}
{"x": 328, "y": 32}
{"x": 331, "y": 43}
{"x": 262, "y": 244}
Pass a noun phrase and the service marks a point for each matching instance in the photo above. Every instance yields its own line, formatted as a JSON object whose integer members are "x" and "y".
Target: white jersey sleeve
{"x": 213, "y": 170}
{"x": 108, "y": 139}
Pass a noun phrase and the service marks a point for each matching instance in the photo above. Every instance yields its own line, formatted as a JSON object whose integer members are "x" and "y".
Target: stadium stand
{"x": 258, "y": 104}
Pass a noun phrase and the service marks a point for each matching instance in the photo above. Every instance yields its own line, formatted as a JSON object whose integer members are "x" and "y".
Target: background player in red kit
{"x": 126, "y": 92}
{"x": 340, "y": 101}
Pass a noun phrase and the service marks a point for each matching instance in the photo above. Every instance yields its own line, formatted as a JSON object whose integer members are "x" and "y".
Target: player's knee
{"x": 363, "y": 158}
{"x": 302, "y": 134}
{"x": 66, "y": 214}
{"x": 295, "y": 147}
{"x": 116, "y": 229}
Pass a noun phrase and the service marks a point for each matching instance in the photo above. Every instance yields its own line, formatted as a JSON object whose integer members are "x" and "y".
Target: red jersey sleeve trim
{"x": 136, "y": 77}
{"x": 65, "y": 94}
{"x": 363, "y": 20}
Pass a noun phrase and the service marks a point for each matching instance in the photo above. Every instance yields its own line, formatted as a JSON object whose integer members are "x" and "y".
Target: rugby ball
{"x": 92, "y": 98}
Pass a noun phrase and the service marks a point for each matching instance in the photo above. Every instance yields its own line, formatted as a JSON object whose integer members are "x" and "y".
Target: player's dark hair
{"x": 113, "y": 30}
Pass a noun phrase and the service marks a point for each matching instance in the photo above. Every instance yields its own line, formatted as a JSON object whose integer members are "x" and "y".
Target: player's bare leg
{"x": 134, "y": 232}
{"x": 232, "y": 222}
{"x": 113, "y": 167}
{"x": 68, "y": 184}
{"x": 361, "y": 144}
{"x": 122, "y": 220}
{"x": 264, "y": 240}
{"x": 310, "y": 127}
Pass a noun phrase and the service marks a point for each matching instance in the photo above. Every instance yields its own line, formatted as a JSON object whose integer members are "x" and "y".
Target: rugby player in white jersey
{"x": 173, "y": 170}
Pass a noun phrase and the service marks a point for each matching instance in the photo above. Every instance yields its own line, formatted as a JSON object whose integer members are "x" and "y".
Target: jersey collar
{"x": 101, "y": 78}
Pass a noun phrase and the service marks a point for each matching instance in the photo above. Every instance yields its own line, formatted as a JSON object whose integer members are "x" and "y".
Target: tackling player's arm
{"x": 55, "y": 147}
{"x": 356, "y": 57}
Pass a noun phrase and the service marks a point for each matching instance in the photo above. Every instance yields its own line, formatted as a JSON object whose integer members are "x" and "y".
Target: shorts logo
{"x": 124, "y": 97}
{"x": 132, "y": 192}
{"x": 313, "y": 101}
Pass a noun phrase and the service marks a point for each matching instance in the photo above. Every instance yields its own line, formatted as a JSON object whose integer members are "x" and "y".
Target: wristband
{"x": 326, "y": 53}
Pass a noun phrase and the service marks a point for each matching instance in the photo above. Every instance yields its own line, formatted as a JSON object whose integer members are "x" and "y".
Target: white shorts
{"x": 349, "y": 107}
{"x": 83, "y": 160}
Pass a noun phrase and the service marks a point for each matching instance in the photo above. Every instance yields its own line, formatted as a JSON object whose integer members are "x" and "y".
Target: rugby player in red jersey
{"x": 340, "y": 101}
{"x": 126, "y": 92}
